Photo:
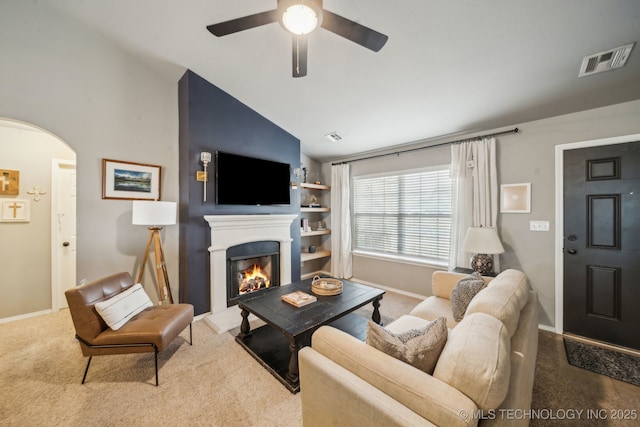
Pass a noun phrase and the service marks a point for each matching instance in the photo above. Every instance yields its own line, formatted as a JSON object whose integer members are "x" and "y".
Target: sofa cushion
{"x": 503, "y": 299}
{"x": 463, "y": 292}
{"x": 419, "y": 347}
{"x": 117, "y": 310}
{"x": 432, "y": 308}
{"x": 477, "y": 360}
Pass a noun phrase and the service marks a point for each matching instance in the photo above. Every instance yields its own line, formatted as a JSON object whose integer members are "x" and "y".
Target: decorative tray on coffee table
{"x": 325, "y": 286}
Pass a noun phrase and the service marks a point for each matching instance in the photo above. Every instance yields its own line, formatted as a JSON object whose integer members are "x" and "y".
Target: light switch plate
{"x": 539, "y": 225}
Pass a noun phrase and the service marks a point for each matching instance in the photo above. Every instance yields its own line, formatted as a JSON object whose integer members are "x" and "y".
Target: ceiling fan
{"x": 300, "y": 17}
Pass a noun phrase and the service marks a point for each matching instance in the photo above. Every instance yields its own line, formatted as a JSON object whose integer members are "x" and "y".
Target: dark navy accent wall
{"x": 210, "y": 120}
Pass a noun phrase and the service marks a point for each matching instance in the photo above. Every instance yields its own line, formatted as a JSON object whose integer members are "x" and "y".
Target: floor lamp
{"x": 155, "y": 214}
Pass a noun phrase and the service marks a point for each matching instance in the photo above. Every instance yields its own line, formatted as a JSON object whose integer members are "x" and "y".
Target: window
{"x": 404, "y": 215}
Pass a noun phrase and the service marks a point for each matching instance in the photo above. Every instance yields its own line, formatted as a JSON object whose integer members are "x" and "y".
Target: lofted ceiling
{"x": 449, "y": 67}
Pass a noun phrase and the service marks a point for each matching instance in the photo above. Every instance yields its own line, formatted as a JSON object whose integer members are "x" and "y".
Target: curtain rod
{"x": 514, "y": 130}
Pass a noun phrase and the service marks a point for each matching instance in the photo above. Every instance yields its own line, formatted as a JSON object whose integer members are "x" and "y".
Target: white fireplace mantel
{"x": 232, "y": 230}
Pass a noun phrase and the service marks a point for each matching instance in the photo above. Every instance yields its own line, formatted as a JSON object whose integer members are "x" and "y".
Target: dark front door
{"x": 602, "y": 243}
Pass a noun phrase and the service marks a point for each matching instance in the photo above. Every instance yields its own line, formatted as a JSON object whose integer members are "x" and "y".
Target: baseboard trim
{"x": 25, "y": 316}
{"x": 315, "y": 273}
{"x": 387, "y": 288}
{"x": 547, "y": 328}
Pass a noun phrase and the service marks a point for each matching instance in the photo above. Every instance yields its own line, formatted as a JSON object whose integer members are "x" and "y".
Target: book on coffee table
{"x": 298, "y": 298}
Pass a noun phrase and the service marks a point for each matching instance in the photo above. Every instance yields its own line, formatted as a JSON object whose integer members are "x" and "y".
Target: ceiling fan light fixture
{"x": 300, "y": 19}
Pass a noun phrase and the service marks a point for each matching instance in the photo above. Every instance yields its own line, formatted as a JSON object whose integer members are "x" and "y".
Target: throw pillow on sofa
{"x": 463, "y": 292}
{"x": 119, "y": 309}
{"x": 420, "y": 348}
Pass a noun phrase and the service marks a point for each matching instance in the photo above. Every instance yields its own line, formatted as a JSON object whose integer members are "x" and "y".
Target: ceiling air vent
{"x": 333, "y": 136}
{"x": 605, "y": 61}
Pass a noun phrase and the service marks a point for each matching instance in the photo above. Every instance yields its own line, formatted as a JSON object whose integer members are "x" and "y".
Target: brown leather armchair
{"x": 151, "y": 330}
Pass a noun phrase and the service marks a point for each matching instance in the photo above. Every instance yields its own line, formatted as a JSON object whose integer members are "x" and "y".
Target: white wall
{"x": 528, "y": 156}
{"x": 26, "y": 256}
{"x": 104, "y": 103}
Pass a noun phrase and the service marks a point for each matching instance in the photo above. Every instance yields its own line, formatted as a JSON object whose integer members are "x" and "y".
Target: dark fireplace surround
{"x": 241, "y": 258}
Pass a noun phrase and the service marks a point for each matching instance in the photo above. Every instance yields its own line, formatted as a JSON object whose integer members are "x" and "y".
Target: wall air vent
{"x": 605, "y": 61}
{"x": 333, "y": 136}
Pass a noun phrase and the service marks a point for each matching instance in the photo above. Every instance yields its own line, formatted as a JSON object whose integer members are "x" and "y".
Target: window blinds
{"x": 407, "y": 215}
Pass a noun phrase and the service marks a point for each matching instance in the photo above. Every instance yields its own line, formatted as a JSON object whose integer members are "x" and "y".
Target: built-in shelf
{"x": 315, "y": 209}
{"x": 314, "y": 186}
{"x": 315, "y": 238}
{"x": 314, "y": 233}
{"x": 306, "y": 256}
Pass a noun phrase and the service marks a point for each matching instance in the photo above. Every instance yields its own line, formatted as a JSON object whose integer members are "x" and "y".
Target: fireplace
{"x": 228, "y": 231}
{"x": 252, "y": 267}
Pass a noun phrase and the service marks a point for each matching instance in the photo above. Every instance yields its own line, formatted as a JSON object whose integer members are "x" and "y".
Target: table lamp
{"x": 155, "y": 214}
{"x": 483, "y": 241}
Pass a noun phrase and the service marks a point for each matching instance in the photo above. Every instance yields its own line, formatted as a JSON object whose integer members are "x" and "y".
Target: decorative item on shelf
{"x": 304, "y": 224}
{"x": 203, "y": 176}
{"x": 326, "y": 286}
{"x": 304, "y": 179}
{"x": 155, "y": 214}
{"x": 310, "y": 201}
{"x": 9, "y": 182}
{"x": 316, "y": 178}
{"x": 312, "y": 249}
{"x": 483, "y": 241}
{"x": 321, "y": 226}
{"x": 36, "y": 192}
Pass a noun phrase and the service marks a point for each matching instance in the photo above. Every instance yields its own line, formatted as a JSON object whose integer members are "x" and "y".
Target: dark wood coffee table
{"x": 289, "y": 328}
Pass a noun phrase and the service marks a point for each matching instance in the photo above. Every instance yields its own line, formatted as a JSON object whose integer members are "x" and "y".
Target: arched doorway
{"x": 34, "y": 264}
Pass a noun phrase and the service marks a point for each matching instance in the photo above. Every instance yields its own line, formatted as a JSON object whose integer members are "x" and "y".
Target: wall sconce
{"x": 202, "y": 176}
{"x": 294, "y": 184}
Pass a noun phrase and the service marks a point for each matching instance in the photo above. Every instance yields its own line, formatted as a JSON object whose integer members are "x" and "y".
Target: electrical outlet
{"x": 539, "y": 225}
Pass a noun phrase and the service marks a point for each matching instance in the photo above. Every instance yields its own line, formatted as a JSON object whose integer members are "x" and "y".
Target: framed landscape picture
{"x": 130, "y": 181}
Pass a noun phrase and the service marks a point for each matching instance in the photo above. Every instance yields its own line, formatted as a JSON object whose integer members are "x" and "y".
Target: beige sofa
{"x": 484, "y": 374}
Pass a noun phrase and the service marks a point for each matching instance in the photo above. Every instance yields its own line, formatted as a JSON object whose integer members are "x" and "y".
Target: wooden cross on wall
{"x": 15, "y": 208}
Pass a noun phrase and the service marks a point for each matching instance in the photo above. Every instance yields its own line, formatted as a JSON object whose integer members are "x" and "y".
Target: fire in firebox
{"x": 252, "y": 279}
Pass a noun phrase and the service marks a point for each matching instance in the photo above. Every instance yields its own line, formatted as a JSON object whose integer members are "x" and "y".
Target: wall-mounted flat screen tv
{"x": 243, "y": 180}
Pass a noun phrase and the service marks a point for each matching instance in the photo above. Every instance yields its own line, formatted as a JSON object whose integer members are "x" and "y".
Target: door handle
{"x": 572, "y": 251}
{"x": 65, "y": 244}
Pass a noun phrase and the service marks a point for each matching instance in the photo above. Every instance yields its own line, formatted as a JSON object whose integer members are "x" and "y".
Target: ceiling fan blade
{"x": 353, "y": 31}
{"x": 299, "y": 55}
{"x": 244, "y": 23}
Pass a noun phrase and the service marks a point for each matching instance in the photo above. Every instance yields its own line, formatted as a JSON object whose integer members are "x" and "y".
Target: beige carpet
{"x": 214, "y": 382}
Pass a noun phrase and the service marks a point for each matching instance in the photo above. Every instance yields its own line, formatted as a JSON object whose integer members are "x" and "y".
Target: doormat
{"x": 621, "y": 366}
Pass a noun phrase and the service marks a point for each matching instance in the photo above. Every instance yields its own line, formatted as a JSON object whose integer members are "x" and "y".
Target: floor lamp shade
{"x": 153, "y": 213}
{"x": 482, "y": 241}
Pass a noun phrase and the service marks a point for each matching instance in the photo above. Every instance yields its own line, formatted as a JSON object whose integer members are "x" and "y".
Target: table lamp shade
{"x": 153, "y": 213}
{"x": 482, "y": 240}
